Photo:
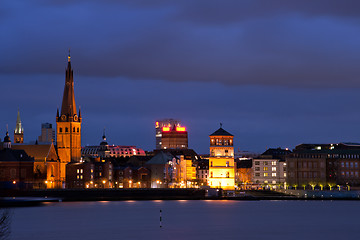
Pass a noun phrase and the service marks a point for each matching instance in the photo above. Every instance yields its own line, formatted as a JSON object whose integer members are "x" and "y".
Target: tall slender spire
{"x": 68, "y": 107}
{"x": 19, "y": 129}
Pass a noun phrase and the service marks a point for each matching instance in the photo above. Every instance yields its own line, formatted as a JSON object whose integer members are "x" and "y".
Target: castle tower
{"x": 19, "y": 130}
{"x": 221, "y": 160}
{"x": 68, "y": 124}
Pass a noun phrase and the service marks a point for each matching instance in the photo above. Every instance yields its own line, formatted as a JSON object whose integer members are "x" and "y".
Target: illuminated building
{"x": 104, "y": 150}
{"x": 46, "y": 164}
{"x": 324, "y": 165}
{"x": 90, "y": 173}
{"x": 187, "y": 172}
{"x": 163, "y": 170}
{"x": 19, "y": 130}
{"x": 202, "y": 171}
{"x": 158, "y": 129}
{"x": 174, "y": 137}
{"x": 16, "y": 167}
{"x": 244, "y": 173}
{"x": 270, "y": 168}
{"x": 47, "y": 133}
{"x": 221, "y": 160}
{"x": 68, "y": 125}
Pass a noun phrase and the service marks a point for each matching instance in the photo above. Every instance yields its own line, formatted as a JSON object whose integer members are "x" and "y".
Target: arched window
{"x": 211, "y": 164}
{"x": 66, "y": 129}
{"x": 211, "y": 174}
{"x": 60, "y": 130}
{"x": 77, "y": 129}
{"x": 73, "y": 129}
{"x": 227, "y": 174}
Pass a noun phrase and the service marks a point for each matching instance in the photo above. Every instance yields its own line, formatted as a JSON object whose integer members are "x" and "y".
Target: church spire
{"x": 68, "y": 107}
{"x": 19, "y": 129}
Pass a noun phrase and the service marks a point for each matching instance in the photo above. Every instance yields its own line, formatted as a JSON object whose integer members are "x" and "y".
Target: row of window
{"x": 267, "y": 175}
{"x": 227, "y": 174}
{"x": 265, "y": 163}
{"x": 350, "y": 174}
{"x": 227, "y": 164}
{"x": 350, "y": 164}
{"x": 351, "y": 156}
{"x": 267, "y": 169}
{"x": 67, "y": 129}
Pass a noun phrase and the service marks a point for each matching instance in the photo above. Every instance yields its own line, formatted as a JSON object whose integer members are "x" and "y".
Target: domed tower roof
{"x": 7, "y": 137}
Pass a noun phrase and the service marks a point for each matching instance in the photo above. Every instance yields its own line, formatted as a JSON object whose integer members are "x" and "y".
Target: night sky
{"x": 275, "y": 73}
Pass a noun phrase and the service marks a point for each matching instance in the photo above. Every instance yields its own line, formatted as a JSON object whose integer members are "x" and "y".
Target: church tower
{"x": 221, "y": 160}
{"x": 19, "y": 130}
{"x": 68, "y": 124}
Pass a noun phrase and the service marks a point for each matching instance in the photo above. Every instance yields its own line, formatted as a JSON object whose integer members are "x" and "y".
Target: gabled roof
{"x": 161, "y": 158}
{"x": 221, "y": 132}
{"x": 39, "y": 152}
{"x": 10, "y": 155}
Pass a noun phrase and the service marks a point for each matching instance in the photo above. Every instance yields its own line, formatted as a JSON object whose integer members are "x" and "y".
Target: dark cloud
{"x": 292, "y": 43}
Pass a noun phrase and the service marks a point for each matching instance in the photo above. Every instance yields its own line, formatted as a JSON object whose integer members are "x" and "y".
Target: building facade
{"x": 324, "y": 165}
{"x": 221, "y": 160}
{"x": 47, "y": 133}
{"x": 16, "y": 167}
{"x": 68, "y": 125}
{"x": 104, "y": 150}
{"x": 159, "y": 127}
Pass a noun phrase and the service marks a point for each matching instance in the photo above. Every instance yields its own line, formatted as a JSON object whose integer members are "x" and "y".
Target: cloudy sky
{"x": 276, "y": 73}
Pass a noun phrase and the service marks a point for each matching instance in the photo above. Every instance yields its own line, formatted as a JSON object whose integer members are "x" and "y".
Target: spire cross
{"x": 220, "y": 125}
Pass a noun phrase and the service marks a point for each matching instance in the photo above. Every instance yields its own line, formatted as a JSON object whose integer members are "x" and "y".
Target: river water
{"x": 188, "y": 220}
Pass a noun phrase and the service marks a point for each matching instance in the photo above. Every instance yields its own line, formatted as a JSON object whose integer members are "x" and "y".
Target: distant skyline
{"x": 275, "y": 73}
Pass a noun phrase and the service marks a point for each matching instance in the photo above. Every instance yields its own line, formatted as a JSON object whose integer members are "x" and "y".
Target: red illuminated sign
{"x": 180, "y": 129}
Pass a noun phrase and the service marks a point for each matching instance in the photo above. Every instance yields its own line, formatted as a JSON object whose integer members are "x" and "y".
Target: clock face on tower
{"x": 63, "y": 118}
{"x": 75, "y": 118}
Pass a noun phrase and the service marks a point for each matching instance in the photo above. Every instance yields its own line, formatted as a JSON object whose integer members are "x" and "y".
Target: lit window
{"x": 265, "y": 168}
{"x": 284, "y": 174}
{"x": 77, "y": 171}
{"x": 273, "y": 163}
{"x": 273, "y": 169}
{"x": 273, "y": 174}
{"x": 266, "y": 174}
{"x": 81, "y": 171}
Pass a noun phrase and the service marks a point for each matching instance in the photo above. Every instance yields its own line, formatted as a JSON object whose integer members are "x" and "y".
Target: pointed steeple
{"x": 19, "y": 129}
{"x": 104, "y": 136}
{"x": 68, "y": 107}
{"x": 104, "y": 142}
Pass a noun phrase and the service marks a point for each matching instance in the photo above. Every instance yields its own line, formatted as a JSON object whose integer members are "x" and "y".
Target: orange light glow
{"x": 166, "y": 129}
{"x": 157, "y": 124}
{"x": 180, "y": 129}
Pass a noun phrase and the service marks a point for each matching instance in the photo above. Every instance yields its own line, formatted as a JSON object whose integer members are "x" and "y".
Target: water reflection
{"x": 5, "y": 222}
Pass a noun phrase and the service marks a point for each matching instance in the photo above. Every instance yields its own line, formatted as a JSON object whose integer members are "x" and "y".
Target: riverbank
{"x": 36, "y": 197}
